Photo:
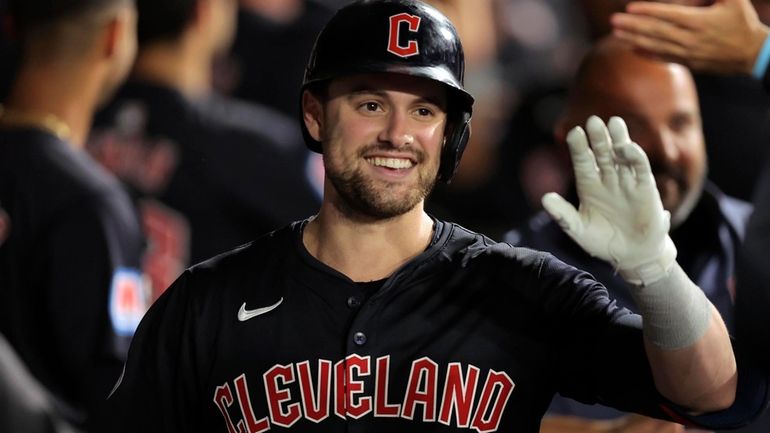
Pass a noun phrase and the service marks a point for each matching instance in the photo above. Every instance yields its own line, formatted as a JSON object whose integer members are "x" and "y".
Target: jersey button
{"x": 354, "y": 302}
{"x": 359, "y": 338}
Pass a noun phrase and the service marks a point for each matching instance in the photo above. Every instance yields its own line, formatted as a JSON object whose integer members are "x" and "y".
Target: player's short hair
{"x": 31, "y": 14}
{"x": 162, "y": 20}
{"x": 49, "y": 30}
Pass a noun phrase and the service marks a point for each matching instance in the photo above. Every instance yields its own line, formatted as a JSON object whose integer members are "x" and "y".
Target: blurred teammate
{"x": 275, "y": 30}
{"x": 70, "y": 244}
{"x": 207, "y": 173}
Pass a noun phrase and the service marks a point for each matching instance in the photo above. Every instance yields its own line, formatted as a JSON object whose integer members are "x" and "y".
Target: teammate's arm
{"x": 725, "y": 37}
{"x": 621, "y": 220}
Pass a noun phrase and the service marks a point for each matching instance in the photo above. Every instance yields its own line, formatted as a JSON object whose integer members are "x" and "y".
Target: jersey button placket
{"x": 354, "y": 302}
{"x": 359, "y": 338}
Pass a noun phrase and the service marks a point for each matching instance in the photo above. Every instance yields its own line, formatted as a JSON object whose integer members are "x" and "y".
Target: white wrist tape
{"x": 675, "y": 312}
{"x": 645, "y": 272}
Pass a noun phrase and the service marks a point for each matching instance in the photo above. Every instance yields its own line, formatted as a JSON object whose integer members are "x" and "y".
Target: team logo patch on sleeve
{"x": 128, "y": 301}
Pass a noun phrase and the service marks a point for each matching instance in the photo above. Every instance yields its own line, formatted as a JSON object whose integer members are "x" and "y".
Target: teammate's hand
{"x": 724, "y": 37}
{"x": 620, "y": 219}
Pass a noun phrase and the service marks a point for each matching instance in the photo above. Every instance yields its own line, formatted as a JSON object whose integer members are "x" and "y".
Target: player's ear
{"x": 312, "y": 114}
{"x": 118, "y": 34}
{"x": 113, "y": 32}
{"x": 201, "y": 13}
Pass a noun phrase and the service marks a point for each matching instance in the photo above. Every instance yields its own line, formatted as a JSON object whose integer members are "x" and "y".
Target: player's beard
{"x": 363, "y": 196}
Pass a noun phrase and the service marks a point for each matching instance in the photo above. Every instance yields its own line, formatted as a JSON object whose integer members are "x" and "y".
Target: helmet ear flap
{"x": 456, "y": 140}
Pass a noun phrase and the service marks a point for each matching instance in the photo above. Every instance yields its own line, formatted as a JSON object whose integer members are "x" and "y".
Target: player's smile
{"x": 391, "y": 163}
{"x": 391, "y": 168}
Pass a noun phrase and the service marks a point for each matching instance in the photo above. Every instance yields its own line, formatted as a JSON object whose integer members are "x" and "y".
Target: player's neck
{"x": 57, "y": 92}
{"x": 370, "y": 250}
{"x": 175, "y": 65}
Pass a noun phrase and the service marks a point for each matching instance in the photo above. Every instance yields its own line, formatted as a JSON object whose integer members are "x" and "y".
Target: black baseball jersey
{"x": 207, "y": 174}
{"x": 70, "y": 246}
{"x": 469, "y": 335}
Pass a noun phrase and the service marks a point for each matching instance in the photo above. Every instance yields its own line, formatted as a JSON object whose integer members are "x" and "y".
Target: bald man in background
{"x": 727, "y": 37}
{"x": 660, "y": 104}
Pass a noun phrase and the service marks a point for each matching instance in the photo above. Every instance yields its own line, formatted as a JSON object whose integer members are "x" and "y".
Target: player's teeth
{"x": 394, "y": 163}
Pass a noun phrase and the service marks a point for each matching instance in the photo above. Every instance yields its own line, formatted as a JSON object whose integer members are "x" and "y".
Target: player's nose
{"x": 396, "y": 130}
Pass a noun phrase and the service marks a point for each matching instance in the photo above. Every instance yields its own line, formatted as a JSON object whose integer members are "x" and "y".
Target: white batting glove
{"x": 621, "y": 218}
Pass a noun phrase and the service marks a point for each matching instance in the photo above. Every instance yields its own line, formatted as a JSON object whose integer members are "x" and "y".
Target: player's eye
{"x": 424, "y": 112}
{"x": 371, "y": 106}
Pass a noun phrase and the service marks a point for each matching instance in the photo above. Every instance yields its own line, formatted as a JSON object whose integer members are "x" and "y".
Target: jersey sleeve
{"x": 599, "y": 357}
{"x": 90, "y": 260}
{"x": 158, "y": 390}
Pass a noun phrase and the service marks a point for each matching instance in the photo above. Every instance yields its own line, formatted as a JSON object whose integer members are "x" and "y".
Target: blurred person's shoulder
{"x": 540, "y": 232}
{"x": 254, "y": 119}
{"x": 736, "y": 212}
{"x": 44, "y": 182}
{"x": 44, "y": 164}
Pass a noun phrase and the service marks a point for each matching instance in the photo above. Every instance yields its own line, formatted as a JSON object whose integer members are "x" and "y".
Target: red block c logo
{"x": 411, "y": 48}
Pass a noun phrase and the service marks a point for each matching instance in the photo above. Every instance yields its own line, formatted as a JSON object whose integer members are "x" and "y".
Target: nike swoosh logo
{"x": 244, "y": 314}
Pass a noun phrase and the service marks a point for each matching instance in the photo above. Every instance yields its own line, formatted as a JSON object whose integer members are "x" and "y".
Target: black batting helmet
{"x": 402, "y": 37}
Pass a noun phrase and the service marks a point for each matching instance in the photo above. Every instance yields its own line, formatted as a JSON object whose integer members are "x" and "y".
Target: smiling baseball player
{"x": 373, "y": 316}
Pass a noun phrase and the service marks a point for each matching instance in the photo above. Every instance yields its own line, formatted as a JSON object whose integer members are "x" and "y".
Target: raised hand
{"x": 620, "y": 218}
